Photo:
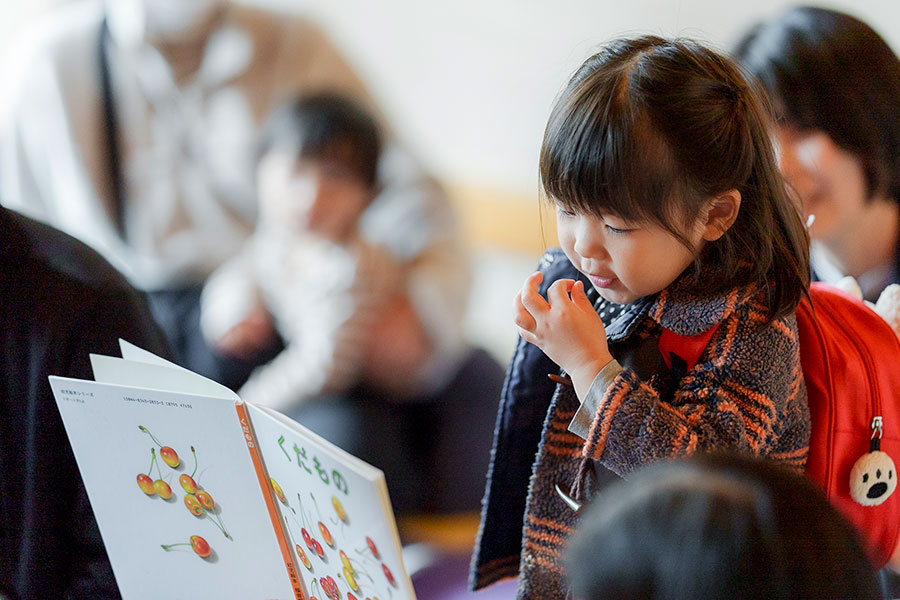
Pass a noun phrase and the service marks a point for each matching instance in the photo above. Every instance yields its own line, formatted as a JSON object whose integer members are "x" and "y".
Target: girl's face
{"x": 624, "y": 261}
{"x": 829, "y": 182}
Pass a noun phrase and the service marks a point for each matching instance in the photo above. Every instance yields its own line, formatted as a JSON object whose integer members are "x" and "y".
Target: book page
{"x": 108, "y": 369}
{"x": 173, "y": 487}
{"x": 131, "y": 352}
{"x": 337, "y": 512}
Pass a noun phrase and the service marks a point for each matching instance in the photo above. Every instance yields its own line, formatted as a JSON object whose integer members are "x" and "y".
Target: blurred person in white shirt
{"x": 131, "y": 124}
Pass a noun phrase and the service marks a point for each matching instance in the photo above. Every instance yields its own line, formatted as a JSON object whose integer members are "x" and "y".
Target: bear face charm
{"x": 873, "y": 478}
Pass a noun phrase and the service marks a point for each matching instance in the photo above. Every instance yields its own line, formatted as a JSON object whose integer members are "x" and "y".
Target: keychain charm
{"x": 873, "y": 477}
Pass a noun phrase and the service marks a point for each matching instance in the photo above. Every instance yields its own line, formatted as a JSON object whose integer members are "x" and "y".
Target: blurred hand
{"x": 565, "y": 327}
{"x": 397, "y": 348}
{"x": 252, "y": 335}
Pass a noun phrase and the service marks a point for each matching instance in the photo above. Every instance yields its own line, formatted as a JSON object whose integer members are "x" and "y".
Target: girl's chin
{"x": 616, "y": 296}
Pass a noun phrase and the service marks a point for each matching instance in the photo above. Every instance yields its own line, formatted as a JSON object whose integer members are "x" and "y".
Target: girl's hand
{"x": 565, "y": 327}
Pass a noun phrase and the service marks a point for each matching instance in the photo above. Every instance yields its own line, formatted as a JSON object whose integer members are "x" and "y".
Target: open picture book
{"x": 200, "y": 495}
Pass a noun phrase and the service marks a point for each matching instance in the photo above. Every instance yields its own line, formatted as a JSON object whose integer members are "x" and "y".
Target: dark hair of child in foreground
{"x": 716, "y": 526}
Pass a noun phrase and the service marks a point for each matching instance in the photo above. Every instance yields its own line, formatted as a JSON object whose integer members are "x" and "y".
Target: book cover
{"x": 199, "y": 495}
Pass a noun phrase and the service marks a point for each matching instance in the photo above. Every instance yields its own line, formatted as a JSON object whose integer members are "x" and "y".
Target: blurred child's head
{"x": 712, "y": 527}
{"x": 835, "y": 86}
{"x": 658, "y": 155}
{"x": 318, "y": 165}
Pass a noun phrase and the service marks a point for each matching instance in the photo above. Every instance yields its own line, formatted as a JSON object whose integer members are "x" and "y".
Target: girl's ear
{"x": 721, "y": 213}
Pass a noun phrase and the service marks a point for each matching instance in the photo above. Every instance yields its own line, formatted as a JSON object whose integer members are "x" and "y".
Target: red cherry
{"x": 187, "y": 483}
{"x": 372, "y": 547}
{"x": 169, "y": 456}
{"x": 318, "y": 548}
{"x": 200, "y": 546}
{"x": 146, "y": 484}
{"x": 350, "y": 596}
{"x": 306, "y": 538}
{"x": 329, "y": 586}
{"x": 205, "y": 499}
{"x": 326, "y": 535}
{"x": 388, "y": 574}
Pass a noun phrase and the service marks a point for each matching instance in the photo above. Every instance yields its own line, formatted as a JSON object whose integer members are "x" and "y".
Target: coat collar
{"x": 683, "y": 308}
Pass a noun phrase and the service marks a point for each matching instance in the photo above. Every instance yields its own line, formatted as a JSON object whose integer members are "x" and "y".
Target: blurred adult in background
{"x": 59, "y": 302}
{"x": 835, "y": 86}
{"x": 711, "y": 527}
{"x": 132, "y": 125}
{"x": 307, "y": 274}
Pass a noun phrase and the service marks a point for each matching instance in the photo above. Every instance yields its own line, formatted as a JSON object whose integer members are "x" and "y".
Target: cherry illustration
{"x": 326, "y": 534}
{"x": 371, "y": 544}
{"x": 330, "y": 588}
{"x": 197, "y": 500}
{"x": 303, "y": 558}
{"x": 278, "y": 491}
{"x": 166, "y": 453}
{"x": 163, "y": 489}
{"x": 205, "y": 499}
{"x": 388, "y": 574}
{"x": 193, "y": 505}
{"x": 187, "y": 481}
{"x": 311, "y": 542}
{"x": 199, "y": 545}
{"x": 144, "y": 481}
{"x": 345, "y": 559}
{"x": 351, "y": 596}
{"x": 351, "y": 581}
{"x": 339, "y": 509}
{"x": 159, "y": 486}
{"x": 146, "y": 484}
{"x": 317, "y": 547}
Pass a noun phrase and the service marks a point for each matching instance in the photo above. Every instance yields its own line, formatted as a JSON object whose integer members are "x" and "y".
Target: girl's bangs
{"x": 606, "y": 160}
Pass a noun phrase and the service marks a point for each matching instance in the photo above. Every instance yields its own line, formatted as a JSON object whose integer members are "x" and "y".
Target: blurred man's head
{"x": 318, "y": 165}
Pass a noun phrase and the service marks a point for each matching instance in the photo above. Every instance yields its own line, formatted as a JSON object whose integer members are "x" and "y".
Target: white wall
{"x": 470, "y": 83}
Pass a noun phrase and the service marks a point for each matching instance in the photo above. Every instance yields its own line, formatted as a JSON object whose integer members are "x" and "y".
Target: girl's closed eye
{"x": 618, "y": 226}
{"x": 618, "y": 230}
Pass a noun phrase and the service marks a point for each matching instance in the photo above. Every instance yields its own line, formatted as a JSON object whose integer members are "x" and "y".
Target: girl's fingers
{"x": 528, "y": 336}
{"x": 579, "y": 297}
{"x": 559, "y": 291}
{"x": 529, "y": 296}
{"x": 522, "y": 317}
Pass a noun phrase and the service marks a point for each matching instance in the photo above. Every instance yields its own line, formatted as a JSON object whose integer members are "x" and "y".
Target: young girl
{"x": 675, "y": 226}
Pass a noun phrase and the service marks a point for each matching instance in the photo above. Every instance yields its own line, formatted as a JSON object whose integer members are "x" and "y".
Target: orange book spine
{"x": 262, "y": 476}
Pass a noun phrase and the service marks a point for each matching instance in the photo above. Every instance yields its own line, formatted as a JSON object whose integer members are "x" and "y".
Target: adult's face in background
{"x": 828, "y": 181}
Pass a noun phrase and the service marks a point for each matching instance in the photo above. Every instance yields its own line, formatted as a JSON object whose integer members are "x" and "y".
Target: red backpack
{"x": 851, "y": 364}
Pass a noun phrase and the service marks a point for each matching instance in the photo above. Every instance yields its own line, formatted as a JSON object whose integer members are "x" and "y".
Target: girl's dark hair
{"x": 326, "y": 127}
{"x": 717, "y": 526}
{"x": 828, "y": 71}
{"x": 649, "y": 129}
